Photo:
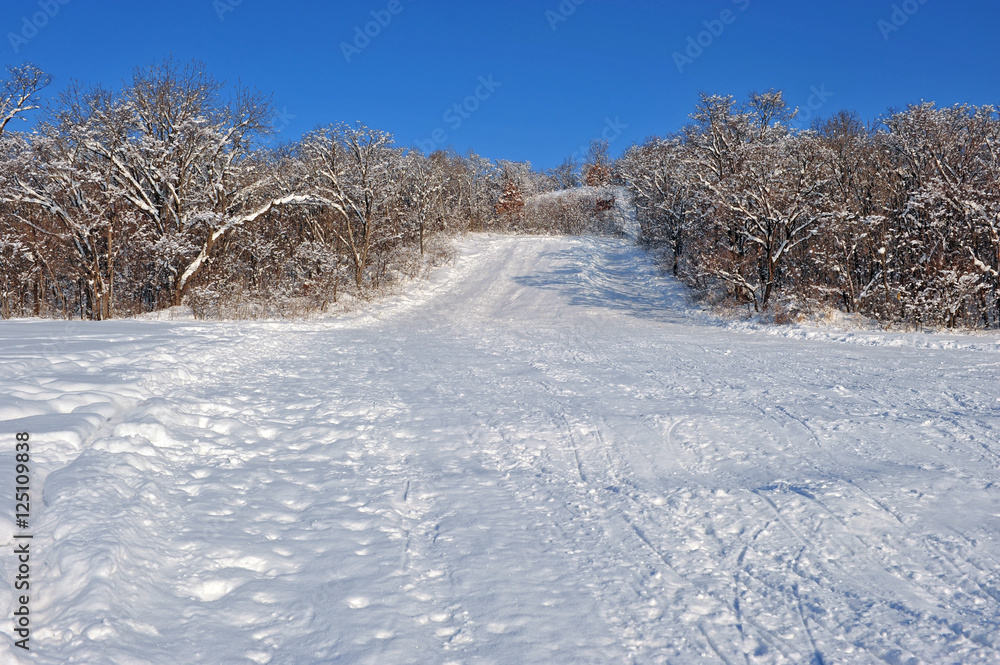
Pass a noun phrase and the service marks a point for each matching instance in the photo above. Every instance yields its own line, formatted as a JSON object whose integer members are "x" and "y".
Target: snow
{"x": 542, "y": 455}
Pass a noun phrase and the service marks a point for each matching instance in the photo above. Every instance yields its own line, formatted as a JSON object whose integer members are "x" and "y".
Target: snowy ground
{"x": 541, "y": 456}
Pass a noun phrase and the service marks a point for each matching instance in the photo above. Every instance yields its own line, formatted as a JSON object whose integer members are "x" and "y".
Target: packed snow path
{"x": 541, "y": 456}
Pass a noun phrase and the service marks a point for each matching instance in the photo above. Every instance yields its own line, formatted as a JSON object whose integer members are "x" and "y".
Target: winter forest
{"x": 166, "y": 192}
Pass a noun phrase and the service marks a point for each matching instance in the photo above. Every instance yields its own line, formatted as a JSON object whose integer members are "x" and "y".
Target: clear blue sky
{"x": 558, "y": 88}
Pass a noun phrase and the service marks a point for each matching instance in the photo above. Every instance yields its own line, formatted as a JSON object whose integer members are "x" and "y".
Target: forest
{"x": 898, "y": 221}
{"x": 167, "y": 192}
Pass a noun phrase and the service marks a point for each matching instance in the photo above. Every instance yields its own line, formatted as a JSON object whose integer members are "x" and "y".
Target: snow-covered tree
{"x": 597, "y": 169}
{"x": 423, "y": 193}
{"x": 664, "y": 190}
{"x": 183, "y": 156}
{"x": 947, "y": 241}
{"x": 19, "y": 92}
{"x": 510, "y": 204}
{"x": 355, "y": 173}
{"x": 20, "y": 267}
{"x": 63, "y": 201}
{"x": 900, "y": 222}
{"x": 764, "y": 184}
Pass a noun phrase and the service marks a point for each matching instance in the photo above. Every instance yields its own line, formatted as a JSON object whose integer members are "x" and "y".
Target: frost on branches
{"x": 898, "y": 221}
{"x": 162, "y": 193}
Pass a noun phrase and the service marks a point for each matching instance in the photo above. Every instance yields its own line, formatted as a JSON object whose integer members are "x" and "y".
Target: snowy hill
{"x": 543, "y": 455}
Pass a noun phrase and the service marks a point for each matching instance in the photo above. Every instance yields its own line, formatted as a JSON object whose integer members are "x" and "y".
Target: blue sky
{"x": 533, "y": 81}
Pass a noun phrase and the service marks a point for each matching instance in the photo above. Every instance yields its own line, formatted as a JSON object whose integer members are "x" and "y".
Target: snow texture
{"x": 542, "y": 455}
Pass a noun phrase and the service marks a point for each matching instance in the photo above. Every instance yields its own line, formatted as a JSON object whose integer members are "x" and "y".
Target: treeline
{"x": 122, "y": 202}
{"x": 128, "y": 201}
{"x": 898, "y": 221}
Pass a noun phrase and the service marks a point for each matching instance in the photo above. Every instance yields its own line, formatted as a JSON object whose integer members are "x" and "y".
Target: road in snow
{"x": 541, "y": 456}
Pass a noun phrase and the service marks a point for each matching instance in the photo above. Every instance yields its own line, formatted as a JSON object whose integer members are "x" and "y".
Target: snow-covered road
{"x": 541, "y": 456}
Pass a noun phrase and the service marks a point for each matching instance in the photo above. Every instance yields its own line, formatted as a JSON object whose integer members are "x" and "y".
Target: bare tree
{"x": 567, "y": 174}
{"x": 664, "y": 191}
{"x": 510, "y": 204}
{"x": 62, "y": 195}
{"x": 182, "y": 157}
{"x": 765, "y": 184}
{"x": 20, "y": 264}
{"x": 19, "y": 92}
{"x": 423, "y": 191}
{"x": 355, "y": 173}
{"x": 597, "y": 169}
